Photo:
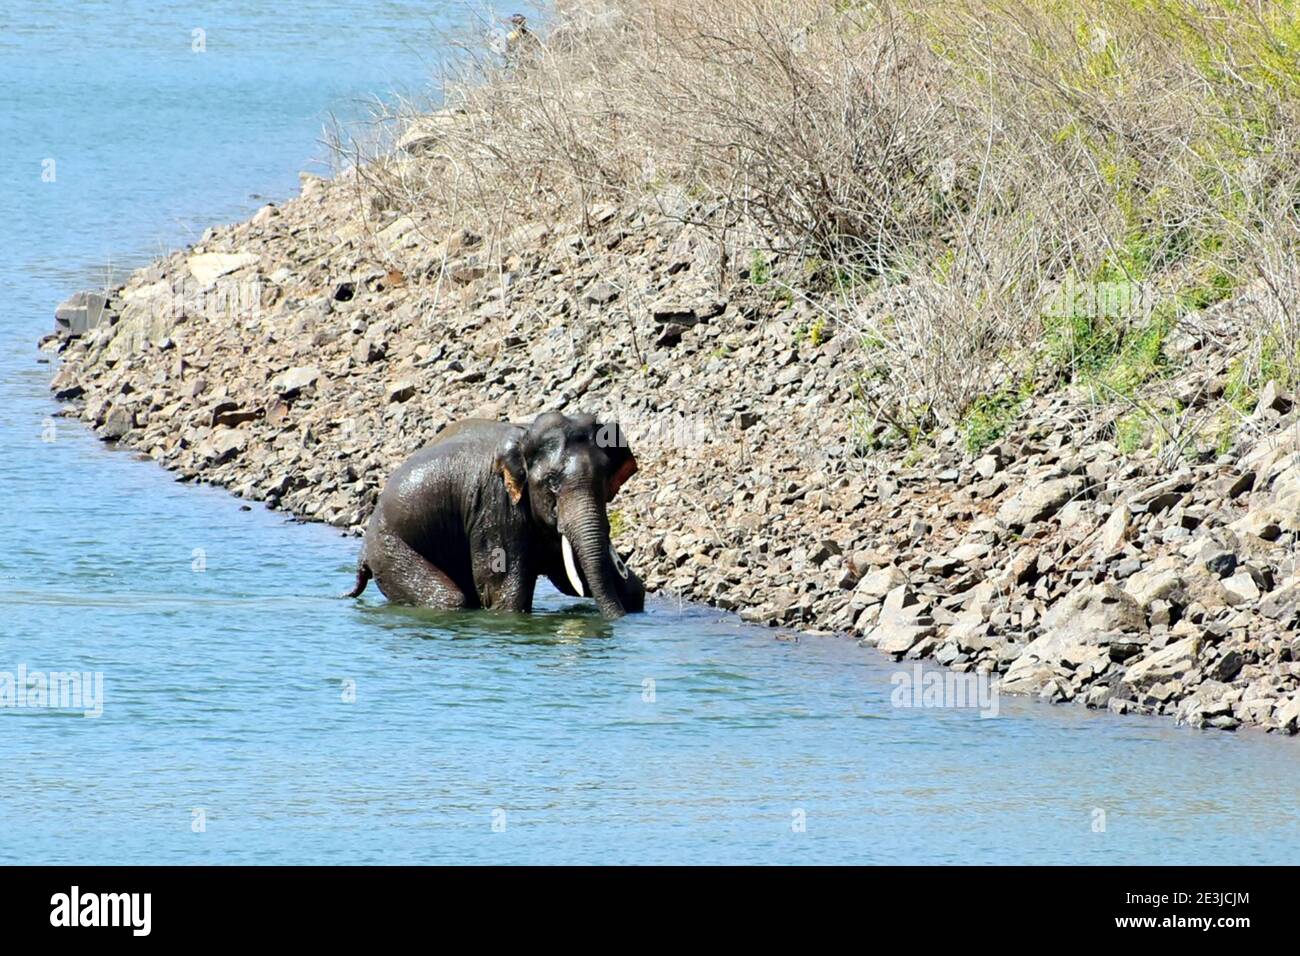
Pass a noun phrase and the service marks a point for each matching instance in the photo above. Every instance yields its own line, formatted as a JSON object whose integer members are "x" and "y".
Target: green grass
{"x": 1139, "y": 358}
{"x": 1111, "y": 338}
{"x": 908, "y": 427}
{"x": 1225, "y": 433}
{"x": 1132, "y": 432}
{"x": 990, "y": 416}
{"x": 1247, "y": 378}
{"x": 816, "y": 332}
{"x": 1149, "y": 425}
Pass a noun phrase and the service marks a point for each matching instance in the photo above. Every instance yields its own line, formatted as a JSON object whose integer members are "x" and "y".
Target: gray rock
{"x": 599, "y": 293}
{"x": 208, "y": 267}
{"x": 903, "y": 622}
{"x": 1039, "y": 501}
{"x": 1157, "y": 582}
{"x": 292, "y": 382}
{"x": 1127, "y": 568}
{"x": 1162, "y": 495}
{"x": 223, "y": 445}
{"x": 1205, "y": 702}
{"x": 401, "y": 391}
{"x": 1076, "y": 630}
{"x": 79, "y": 314}
{"x": 1114, "y": 531}
{"x": 1241, "y": 589}
{"x": 823, "y": 551}
{"x": 1222, "y": 563}
{"x": 1287, "y": 714}
{"x": 670, "y": 336}
{"x": 1272, "y": 398}
{"x": 878, "y": 583}
{"x": 687, "y": 312}
{"x": 1227, "y": 667}
{"x": 1169, "y": 662}
{"x": 1098, "y": 695}
{"x": 117, "y": 423}
{"x": 1281, "y": 605}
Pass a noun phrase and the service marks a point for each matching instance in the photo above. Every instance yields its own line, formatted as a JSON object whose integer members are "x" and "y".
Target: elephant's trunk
{"x": 584, "y": 526}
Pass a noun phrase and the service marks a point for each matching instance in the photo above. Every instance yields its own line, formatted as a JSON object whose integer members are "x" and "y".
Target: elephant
{"x": 472, "y": 519}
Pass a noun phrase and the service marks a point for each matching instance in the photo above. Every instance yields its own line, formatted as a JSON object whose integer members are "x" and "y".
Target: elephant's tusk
{"x": 570, "y": 568}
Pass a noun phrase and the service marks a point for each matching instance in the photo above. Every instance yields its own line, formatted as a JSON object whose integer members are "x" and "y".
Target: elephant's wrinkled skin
{"x": 474, "y": 517}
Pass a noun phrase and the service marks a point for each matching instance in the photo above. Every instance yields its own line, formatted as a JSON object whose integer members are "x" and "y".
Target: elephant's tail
{"x": 363, "y": 578}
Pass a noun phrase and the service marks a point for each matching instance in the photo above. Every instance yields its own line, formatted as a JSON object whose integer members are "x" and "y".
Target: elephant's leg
{"x": 514, "y": 593}
{"x": 407, "y": 577}
{"x": 631, "y": 591}
{"x": 501, "y": 573}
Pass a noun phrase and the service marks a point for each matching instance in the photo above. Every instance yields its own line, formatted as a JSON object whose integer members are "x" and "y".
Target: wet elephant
{"x": 473, "y": 518}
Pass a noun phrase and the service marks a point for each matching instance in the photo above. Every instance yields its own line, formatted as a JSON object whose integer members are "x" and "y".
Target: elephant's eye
{"x": 553, "y": 483}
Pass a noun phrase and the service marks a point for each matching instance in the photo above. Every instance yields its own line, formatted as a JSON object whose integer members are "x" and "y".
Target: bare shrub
{"x": 932, "y": 173}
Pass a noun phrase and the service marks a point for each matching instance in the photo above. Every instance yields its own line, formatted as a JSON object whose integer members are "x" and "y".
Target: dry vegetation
{"x": 929, "y": 174}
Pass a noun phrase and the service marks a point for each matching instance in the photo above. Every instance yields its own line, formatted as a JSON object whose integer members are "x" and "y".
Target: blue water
{"x": 250, "y": 717}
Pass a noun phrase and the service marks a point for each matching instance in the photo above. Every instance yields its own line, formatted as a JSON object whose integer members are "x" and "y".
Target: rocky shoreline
{"x": 298, "y": 357}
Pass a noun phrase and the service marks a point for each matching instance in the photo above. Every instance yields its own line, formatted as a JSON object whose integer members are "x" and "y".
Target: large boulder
{"x": 1208, "y": 701}
{"x": 223, "y": 444}
{"x": 149, "y": 315}
{"x": 904, "y": 621}
{"x": 874, "y": 585}
{"x": 1287, "y": 714}
{"x": 1283, "y": 604}
{"x": 290, "y": 383}
{"x": 117, "y": 423}
{"x": 1077, "y": 630}
{"x": 208, "y": 267}
{"x": 1037, "y": 502}
{"x": 1167, "y": 663}
{"x": 1158, "y": 581}
{"x": 79, "y": 314}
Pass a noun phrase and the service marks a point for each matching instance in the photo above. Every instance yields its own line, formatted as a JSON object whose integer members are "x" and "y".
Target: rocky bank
{"x": 298, "y": 357}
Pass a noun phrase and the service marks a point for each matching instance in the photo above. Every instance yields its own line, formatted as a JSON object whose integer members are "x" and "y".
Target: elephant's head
{"x": 566, "y": 471}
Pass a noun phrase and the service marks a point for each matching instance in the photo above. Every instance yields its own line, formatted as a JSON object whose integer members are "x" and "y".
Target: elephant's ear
{"x": 622, "y": 463}
{"x": 510, "y": 463}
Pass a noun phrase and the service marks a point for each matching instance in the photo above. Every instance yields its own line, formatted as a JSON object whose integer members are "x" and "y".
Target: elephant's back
{"x": 428, "y": 493}
{"x": 469, "y": 442}
{"x": 473, "y": 431}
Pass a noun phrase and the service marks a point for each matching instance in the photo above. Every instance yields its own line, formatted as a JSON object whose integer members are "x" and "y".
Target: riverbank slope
{"x": 1105, "y": 514}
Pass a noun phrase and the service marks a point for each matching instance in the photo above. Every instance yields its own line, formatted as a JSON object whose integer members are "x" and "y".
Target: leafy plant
{"x": 989, "y": 416}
